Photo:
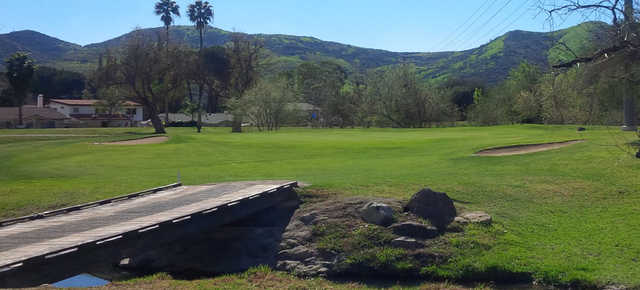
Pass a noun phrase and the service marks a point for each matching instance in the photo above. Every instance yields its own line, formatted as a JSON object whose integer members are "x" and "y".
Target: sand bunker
{"x": 524, "y": 149}
{"x": 141, "y": 141}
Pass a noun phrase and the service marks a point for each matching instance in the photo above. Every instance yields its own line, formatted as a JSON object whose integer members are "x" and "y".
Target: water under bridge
{"x": 146, "y": 229}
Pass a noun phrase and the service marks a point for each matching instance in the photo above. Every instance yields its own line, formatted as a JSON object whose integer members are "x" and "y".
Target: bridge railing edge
{"x": 12, "y": 221}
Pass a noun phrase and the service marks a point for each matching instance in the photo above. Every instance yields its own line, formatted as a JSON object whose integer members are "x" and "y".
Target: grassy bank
{"x": 564, "y": 215}
{"x": 264, "y": 278}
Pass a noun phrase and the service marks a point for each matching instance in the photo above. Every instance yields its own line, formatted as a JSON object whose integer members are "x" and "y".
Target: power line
{"x": 501, "y": 23}
{"x": 494, "y": 15}
{"x": 460, "y": 26}
{"x": 513, "y": 22}
{"x": 454, "y": 40}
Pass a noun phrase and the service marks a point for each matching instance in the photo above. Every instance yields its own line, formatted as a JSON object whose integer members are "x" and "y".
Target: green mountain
{"x": 490, "y": 62}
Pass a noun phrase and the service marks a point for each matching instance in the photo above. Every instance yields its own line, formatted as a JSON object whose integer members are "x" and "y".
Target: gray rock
{"x": 414, "y": 230}
{"x": 406, "y": 243}
{"x": 312, "y": 270}
{"x": 298, "y": 253}
{"x": 460, "y": 220}
{"x": 437, "y": 207}
{"x": 312, "y": 218}
{"x": 308, "y": 218}
{"x": 288, "y": 244}
{"x": 297, "y": 231}
{"x": 476, "y": 217}
{"x": 377, "y": 213}
{"x": 287, "y": 265}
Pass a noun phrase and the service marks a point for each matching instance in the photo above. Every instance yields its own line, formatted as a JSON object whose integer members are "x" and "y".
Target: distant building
{"x": 88, "y": 113}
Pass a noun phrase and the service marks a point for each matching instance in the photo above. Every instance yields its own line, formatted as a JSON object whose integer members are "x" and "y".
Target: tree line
{"x": 169, "y": 77}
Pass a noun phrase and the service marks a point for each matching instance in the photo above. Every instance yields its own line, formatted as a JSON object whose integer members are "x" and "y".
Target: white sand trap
{"x": 141, "y": 141}
{"x": 525, "y": 149}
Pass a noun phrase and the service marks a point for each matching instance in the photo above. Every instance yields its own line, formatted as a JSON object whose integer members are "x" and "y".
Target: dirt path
{"x": 525, "y": 149}
{"x": 141, "y": 141}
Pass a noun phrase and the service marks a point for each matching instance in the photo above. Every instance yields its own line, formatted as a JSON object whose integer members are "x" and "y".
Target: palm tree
{"x": 166, "y": 9}
{"x": 200, "y": 13}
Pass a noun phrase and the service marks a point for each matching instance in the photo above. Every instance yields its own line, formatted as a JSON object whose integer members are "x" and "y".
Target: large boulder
{"x": 414, "y": 230}
{"x": 377, "y": 213}
{"x": 434, "y": 206}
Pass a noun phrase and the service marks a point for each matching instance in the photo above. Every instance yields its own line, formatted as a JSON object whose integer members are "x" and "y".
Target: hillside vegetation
{"x": 490, "y": 62}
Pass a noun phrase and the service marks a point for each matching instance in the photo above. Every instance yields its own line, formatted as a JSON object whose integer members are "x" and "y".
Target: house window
{"x": 76, "y": 110}
{"x": 131, "y": 112}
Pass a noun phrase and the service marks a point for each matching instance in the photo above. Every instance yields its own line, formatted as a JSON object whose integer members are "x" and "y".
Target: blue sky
{"x": 400, "y": 25}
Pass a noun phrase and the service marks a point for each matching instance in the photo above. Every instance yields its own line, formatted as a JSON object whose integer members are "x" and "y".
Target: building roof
{"x": 86, "y": 102}
{"x": 28, "y": 112}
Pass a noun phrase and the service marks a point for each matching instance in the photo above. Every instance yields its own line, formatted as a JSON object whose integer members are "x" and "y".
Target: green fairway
{"x": 566, "y": 214}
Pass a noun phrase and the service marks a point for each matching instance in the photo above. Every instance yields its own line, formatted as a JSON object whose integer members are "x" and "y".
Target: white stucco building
{"x": 87, "y": 111}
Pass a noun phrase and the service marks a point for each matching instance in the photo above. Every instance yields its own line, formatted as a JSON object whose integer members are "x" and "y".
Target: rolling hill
{"x": 490, "y": 62}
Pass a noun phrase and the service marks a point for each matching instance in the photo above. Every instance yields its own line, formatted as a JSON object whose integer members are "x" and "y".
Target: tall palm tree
{"x": 200, "y": 13}
{"x": 166, "y": 9}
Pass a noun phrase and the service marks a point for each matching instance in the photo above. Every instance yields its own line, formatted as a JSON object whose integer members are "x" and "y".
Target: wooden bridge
{"x": 51, "y": 246}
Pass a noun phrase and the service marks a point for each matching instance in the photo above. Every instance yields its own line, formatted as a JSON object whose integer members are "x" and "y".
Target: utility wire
{"x": 504, "y": 30}
{"x": 494, "y": 15}
{"x": 454, "y": 40}
{"x": 501, "y": 23}
{"x": 448, "y": 38}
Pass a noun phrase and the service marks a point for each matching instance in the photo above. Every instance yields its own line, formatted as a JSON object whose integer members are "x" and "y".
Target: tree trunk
{"x": 166, "y": 93}
{"x": 629, "y": 108}
{"x": 236, "y": 124}
{"x": 628, "y": 98}
{"x": 199, "y": 124}
{"x": 20, "y": 114}
{"x": 155, "y": 120}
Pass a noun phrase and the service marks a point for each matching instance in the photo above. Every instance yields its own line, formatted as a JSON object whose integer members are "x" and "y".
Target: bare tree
{"x": 623, "y": 48}
{"x": 141, "y": 72}
{"x": 244, "y": 55}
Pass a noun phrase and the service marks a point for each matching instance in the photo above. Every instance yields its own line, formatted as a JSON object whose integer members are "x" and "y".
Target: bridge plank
{"x": 50, "y": 235}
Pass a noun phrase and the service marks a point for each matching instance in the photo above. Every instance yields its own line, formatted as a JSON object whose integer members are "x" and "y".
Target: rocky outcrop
{"x": 434, "y": 206}
{"x": 377, "y": 213}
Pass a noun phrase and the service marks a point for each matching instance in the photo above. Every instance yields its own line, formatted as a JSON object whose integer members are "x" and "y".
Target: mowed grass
{"x": 564, "y": 215}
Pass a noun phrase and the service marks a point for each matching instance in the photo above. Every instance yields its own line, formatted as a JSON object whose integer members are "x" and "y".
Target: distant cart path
{"x": 524, "y": 149}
